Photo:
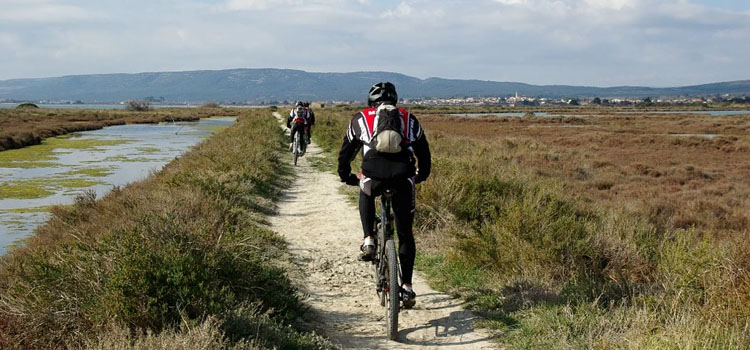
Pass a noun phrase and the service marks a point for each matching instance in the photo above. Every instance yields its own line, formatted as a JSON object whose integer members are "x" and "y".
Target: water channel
{"x": 55, "y": 172}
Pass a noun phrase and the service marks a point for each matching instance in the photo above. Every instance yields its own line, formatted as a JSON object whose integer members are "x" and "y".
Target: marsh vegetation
{"x": 598, "y": 231}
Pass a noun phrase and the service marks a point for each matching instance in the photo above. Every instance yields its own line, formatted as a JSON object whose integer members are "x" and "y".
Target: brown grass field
{"x": 636, "y": 162}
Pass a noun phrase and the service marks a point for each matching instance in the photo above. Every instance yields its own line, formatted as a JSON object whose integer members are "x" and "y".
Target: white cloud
{"x": 8, "y": 40}
{"x": 45, "y": 12}
{"x": 611, "y": 4}
{"x": 248, "y": 4}
{"x": 402, "y": 10}
{"x": 512, "y": 2}
{"x": 287, "y": 5}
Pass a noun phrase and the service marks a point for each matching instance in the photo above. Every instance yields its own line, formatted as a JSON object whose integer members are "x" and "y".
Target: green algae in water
{"x": 14, "y": 223}
{"x": 40, "y": 156}
{"x": 74, "y": 183}
{"x": 92, "y": 172}
{"x": 149, "y": 149}
{"x": 41, "y": 187}
{"x": 43, "y": 209}
{"x": 23, "y": 190}
{"x": 26, "y": 165}
{"x": 72, "y": 143}
{"x": 126, "y": 159}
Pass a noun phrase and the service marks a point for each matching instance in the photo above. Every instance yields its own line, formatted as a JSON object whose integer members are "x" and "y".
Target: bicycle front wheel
{"x": 296, "y": 147}
{"x": 392, "y": 291}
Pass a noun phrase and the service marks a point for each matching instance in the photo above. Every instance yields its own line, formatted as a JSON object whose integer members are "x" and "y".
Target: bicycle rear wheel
{"x": 392, "y": 290}
{"x": 380, "y": 266}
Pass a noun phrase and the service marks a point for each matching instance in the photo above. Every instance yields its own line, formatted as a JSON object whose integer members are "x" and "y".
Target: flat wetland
{"x": 597, "y": 228}
{"x": 679, "y": 170}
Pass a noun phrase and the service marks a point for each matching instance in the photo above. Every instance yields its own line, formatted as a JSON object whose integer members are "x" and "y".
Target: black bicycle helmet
{"x": 299, "y": 104}
{"x": 382, "y": 92}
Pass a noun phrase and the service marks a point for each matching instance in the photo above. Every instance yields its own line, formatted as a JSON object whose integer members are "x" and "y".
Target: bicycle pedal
{"x": 408, "y": 299}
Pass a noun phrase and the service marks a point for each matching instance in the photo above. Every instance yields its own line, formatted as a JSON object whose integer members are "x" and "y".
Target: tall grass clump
{"x": 548, "y": 270}
{"x": 179, "y": 260}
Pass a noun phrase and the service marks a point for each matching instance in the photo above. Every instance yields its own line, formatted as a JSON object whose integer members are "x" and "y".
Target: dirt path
{"x": 324, "y": 233}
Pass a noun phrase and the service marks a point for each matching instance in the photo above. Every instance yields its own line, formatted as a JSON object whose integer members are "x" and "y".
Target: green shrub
{"x": 211, "y": 105}
{"x": 138, "y": 106}
{"x": 27, "y": 105}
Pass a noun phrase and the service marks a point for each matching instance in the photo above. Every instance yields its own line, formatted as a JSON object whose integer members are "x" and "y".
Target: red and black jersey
{"x": 384, "y": 166}
{"x": 303, "y": 118}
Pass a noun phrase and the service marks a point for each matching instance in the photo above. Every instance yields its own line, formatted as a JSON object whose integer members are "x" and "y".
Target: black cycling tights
{"x": 403, "y": 210}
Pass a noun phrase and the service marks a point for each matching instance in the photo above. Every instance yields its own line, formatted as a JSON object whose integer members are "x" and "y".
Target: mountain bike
{"x": 298, "y": 146}
{"x": 385, "y": 265}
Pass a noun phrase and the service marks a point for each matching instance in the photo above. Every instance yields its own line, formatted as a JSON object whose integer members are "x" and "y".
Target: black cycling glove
{"x": 352, "y": 180}
{"x": 419, "y": 178}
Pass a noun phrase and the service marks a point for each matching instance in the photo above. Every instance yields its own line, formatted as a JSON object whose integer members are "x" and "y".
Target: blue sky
{"x": 579, "y": 42}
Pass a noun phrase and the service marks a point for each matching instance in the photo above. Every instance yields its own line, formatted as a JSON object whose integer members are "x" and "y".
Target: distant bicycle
{"x": 299, "y": 146}
{"x": 386, "y": 266}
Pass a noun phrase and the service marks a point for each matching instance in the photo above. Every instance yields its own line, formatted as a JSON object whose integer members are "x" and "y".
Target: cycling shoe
{"x": 409, "y": 298}
{"x": 368, "y": 252}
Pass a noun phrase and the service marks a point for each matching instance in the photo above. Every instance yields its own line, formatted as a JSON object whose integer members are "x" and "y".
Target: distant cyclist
{"x": 310, "y": 120}
{"x": 387, "y": 163}
{"x": 297, "y": 121}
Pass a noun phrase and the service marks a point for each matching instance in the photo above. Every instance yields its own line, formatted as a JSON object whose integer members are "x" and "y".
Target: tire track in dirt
{"x": 324, "y": 234}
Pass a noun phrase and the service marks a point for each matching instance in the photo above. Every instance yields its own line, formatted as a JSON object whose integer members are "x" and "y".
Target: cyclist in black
{"x": 380, "y": 171}
{"x": 310, "y": 119}
{"x": 297, "y": 120}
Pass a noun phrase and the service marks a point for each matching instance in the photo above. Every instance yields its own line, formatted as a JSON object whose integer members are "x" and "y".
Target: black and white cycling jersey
{"x": 384, "y": 166}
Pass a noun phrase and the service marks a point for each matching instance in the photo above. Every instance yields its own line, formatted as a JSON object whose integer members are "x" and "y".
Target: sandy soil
{"x": 324, "y": 233}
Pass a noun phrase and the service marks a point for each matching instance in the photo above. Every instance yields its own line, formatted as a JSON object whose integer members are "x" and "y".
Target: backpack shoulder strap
{"x": 405, "y": 118}
{"x": 369, "y": 116}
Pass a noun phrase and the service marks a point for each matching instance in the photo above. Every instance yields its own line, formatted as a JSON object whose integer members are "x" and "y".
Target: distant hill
{"x": 240, "y": 85}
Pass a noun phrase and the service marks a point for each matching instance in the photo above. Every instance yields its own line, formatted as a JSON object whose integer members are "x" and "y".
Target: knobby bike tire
{"x": 393, "y": 290}
{"x": 379, "y": 263}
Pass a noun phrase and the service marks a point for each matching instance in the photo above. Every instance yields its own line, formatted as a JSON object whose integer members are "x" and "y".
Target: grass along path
{"x": 180, "y": 260}
{"x": 324, "y": 233}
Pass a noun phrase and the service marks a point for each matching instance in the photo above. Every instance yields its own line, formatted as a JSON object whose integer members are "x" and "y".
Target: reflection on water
{"x": 88, "y": 106}
{"x": 502, "y": 114}
{"x": 711, "y": 113}
{"x": 545, "y": 114}
{"x": 148, "y": 148}
{"x": 705, "y": 136}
